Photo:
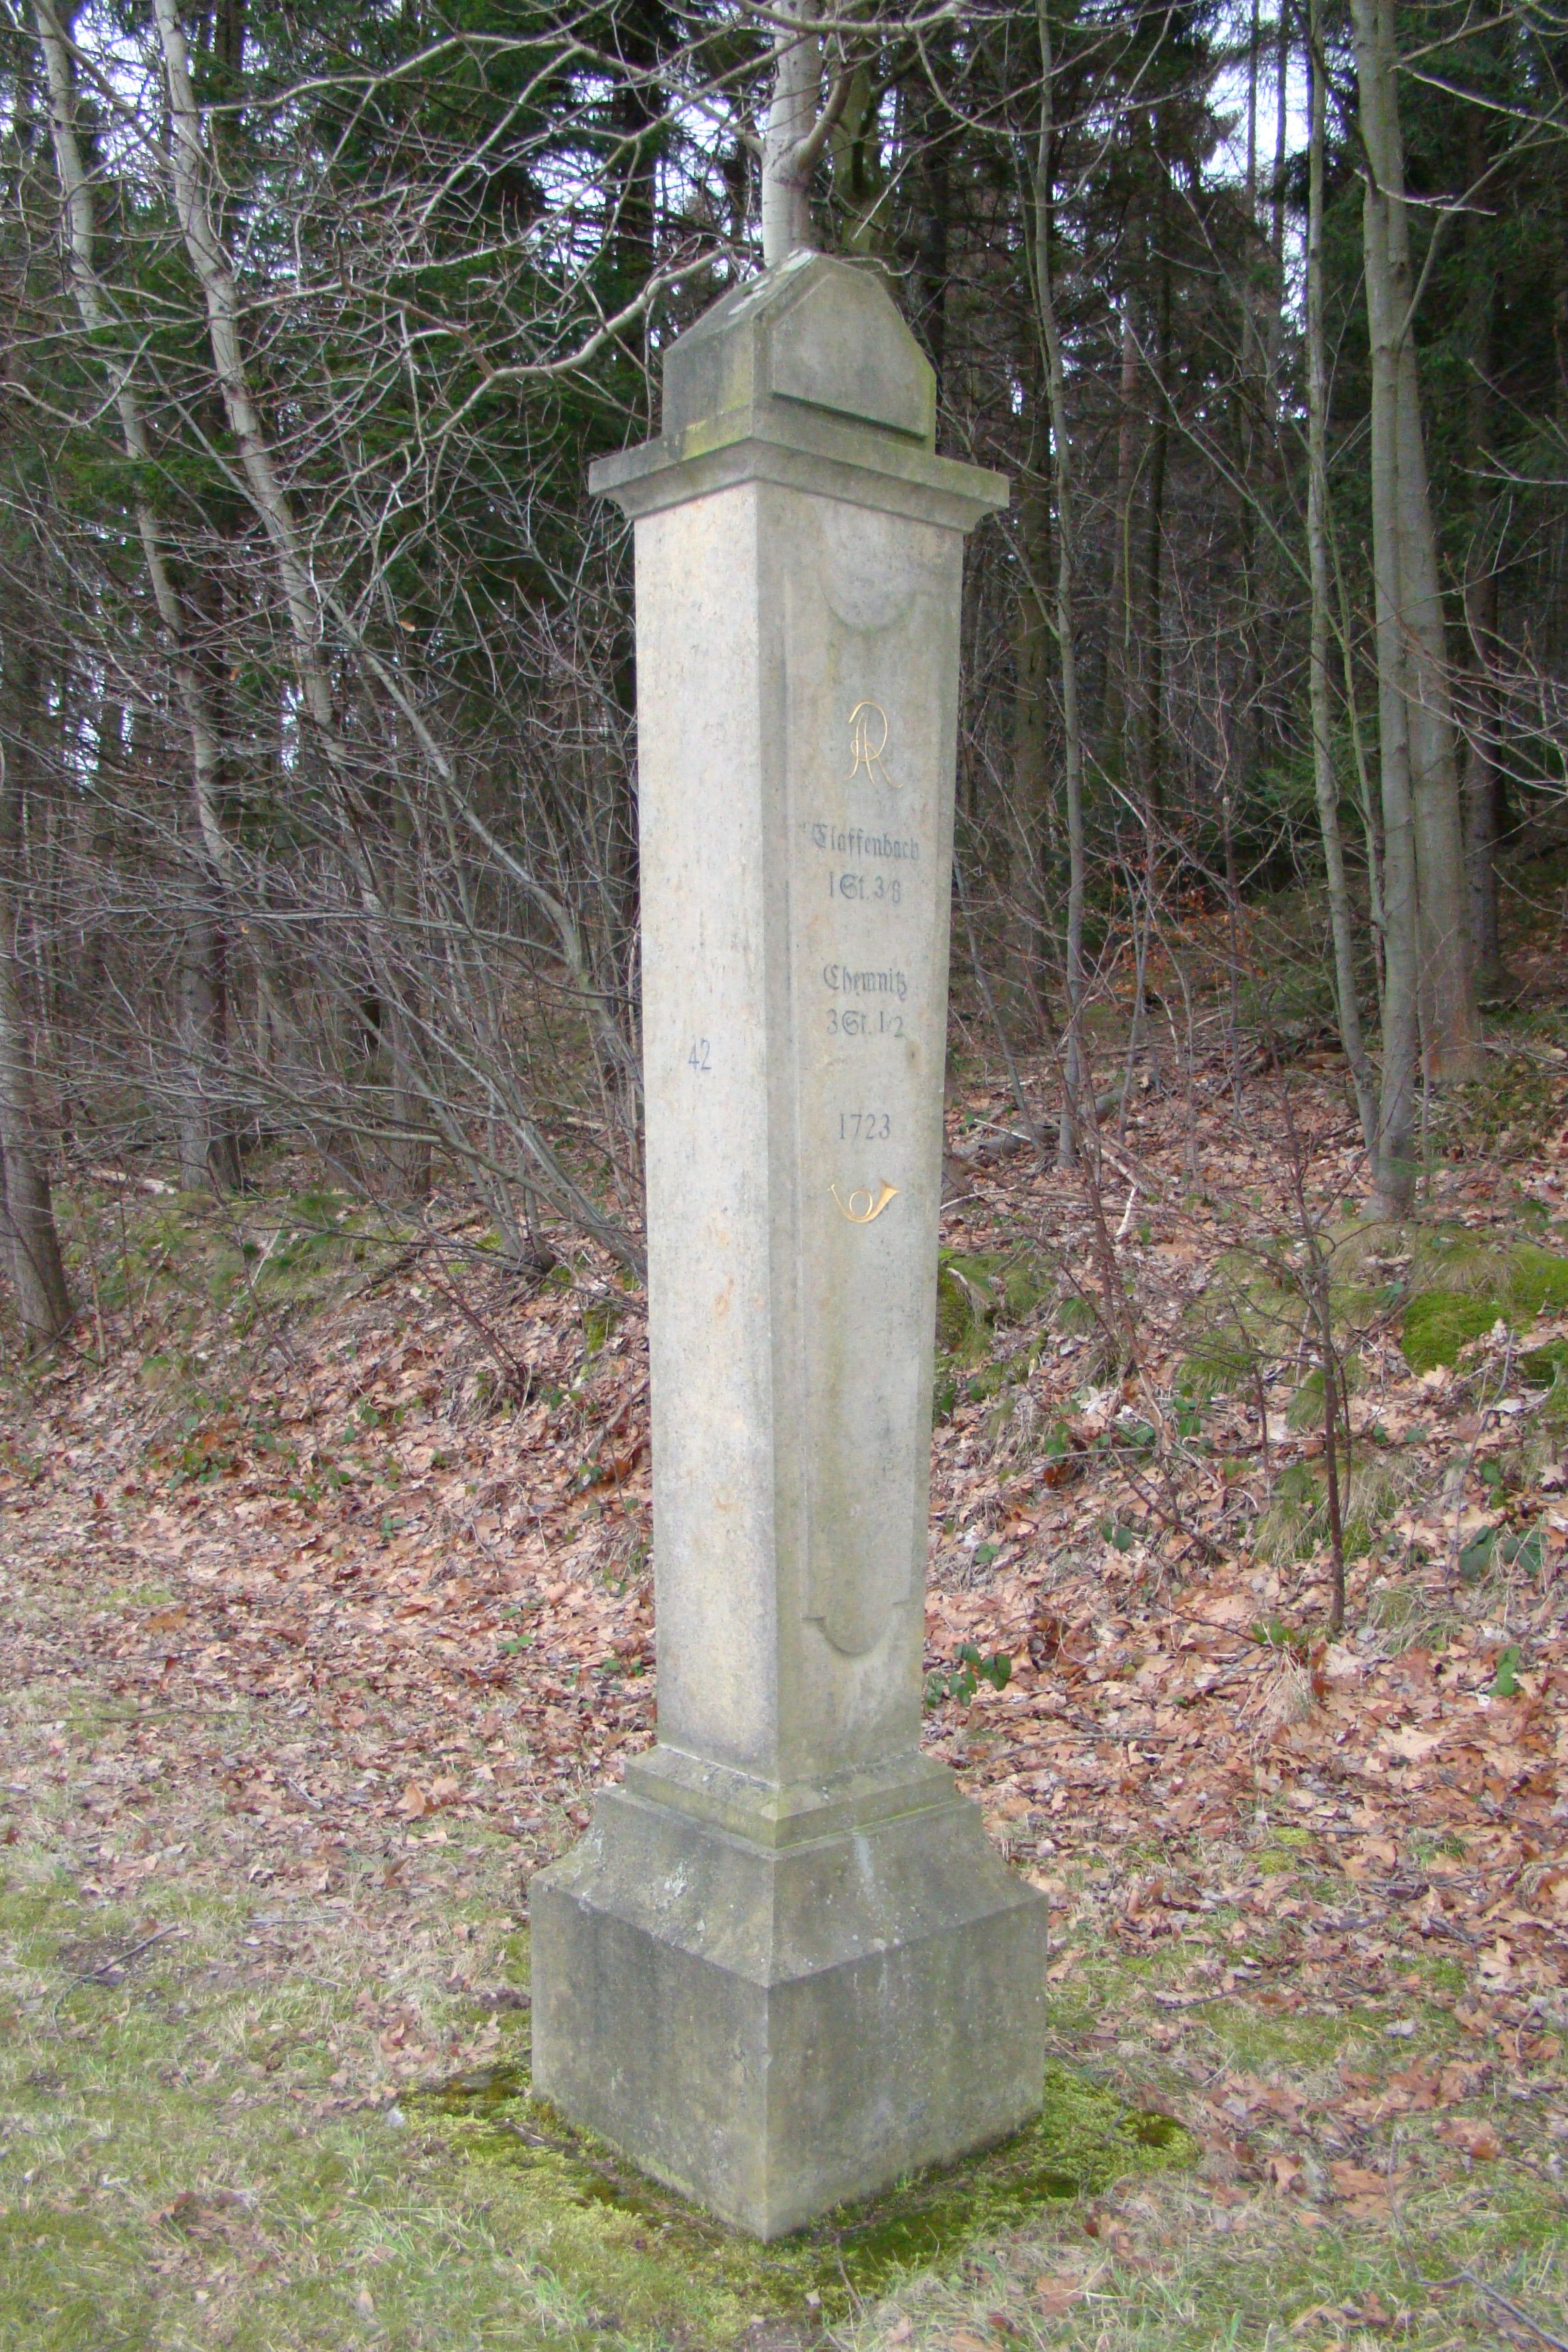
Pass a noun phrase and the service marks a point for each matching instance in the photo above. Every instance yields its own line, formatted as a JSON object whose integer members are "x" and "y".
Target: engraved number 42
{"x": 702, "y": 1055}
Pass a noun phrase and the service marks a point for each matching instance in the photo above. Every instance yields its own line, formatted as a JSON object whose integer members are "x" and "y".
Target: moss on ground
{"x": 181, "y": 2163}
{"x": 1439, "y": 1325}
{"x": 1460, "y": 1286}
{"x": 1444, "y": 1284}
{"x": 635, "y": 2244}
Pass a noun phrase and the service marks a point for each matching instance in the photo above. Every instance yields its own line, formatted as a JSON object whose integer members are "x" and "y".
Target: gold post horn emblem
{"x": 861, "y": 1208}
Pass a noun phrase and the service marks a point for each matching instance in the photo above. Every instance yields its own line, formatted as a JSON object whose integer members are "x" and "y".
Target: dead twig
{"x": 1494, "y": 2298}
{"x": 123, "y": 1960}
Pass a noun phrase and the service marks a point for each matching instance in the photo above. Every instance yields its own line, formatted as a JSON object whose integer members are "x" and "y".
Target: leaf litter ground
{"x": 328, "y": 1606}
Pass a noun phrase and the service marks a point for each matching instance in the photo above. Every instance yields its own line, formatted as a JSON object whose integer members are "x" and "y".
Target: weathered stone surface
{"x": 823, "y": 334}
{"x": 798, "y": 575}
{"x": 773, "y": 2028}
{"x": 736, "y": 406}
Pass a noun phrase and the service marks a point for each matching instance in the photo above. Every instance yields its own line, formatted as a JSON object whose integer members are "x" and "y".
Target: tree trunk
{"x": 787, "y": 165}
{"x": 191, "y": 175}
{"x": 1485, "y": 791}
{"x": 1066, "y": 597}
{"x": 1324, "y": 780}
{"x": 1415, "y": 626}
{"x": 1151, "y": 754}
{"x": 207, "y": 1132}
{"x": 196, "y": 1010}
{"x": 27, "y": 1232}
{"x": 201, "y": 970}
{"x": 1395, "y": 1167}
{"x": 1117, "y": 715}
{"x": 1275, "y": 336}
{"x": 931, "y": 170}
{"x": 409, "y": 1152}
{"x": 1483, "y": 788}
{"x": 1556, "y": 630}
{"x": 1448, "y": 984}
{"x": 31, "y": 1242}
{"x": 1028, "y": 800}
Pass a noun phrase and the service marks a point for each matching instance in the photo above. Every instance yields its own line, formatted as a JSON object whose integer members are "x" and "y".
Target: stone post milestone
{"x": 784, "y": 1966}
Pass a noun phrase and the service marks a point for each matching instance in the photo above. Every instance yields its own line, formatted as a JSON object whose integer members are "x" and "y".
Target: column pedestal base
{"x": 777, "y": 2000}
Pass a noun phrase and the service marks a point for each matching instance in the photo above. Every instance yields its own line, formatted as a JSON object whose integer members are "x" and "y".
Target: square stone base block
{"x": 777, "y": 2007}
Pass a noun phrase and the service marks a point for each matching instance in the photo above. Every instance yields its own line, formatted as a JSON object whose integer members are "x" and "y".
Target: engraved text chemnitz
{"x": 839, "y": 977}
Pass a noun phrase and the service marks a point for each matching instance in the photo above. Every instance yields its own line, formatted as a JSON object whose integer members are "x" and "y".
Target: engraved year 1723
{"x": 865, "y": 1126}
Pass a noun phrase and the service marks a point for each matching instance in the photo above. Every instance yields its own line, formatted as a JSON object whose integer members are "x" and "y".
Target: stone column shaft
{"x": 784, "y": 1966}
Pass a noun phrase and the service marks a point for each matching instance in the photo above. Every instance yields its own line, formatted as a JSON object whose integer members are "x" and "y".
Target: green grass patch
{"x": 199, "y": 2148}
{"x": 197, "y": 2151}
{"x": 1460, "y": 1287}
{"x": 1439, "y": 1325}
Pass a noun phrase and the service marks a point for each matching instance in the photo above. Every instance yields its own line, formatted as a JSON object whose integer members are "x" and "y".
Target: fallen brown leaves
{"x": 357, "y": 1613}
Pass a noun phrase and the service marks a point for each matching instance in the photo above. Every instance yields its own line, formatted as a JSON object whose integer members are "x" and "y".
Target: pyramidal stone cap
{"x": 820, "y": 333}
{"x": 809, "y": 363}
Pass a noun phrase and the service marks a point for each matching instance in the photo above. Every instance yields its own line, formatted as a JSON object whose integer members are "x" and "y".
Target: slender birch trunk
{"x": 204, "y": 1136}
{"x": 192, "y": 176}
{"x": 1340, "y": 915}
{"x": 189, "y": 172}
{"x": 75, "y": 190}
{"x": 1067, "y": 649}
{"x": 787, "y": 162}
{"x": 1276, "y": 331}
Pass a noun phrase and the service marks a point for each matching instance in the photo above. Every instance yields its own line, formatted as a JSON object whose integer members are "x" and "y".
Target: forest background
{"x": 317, "y": 698}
